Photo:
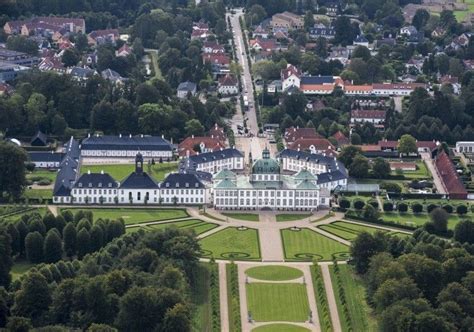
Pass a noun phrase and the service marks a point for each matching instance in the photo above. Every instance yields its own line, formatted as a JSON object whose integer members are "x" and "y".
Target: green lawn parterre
{"x": 292, "y": 217}
{"x": 232, "y": 243}
{"x": 135, "y": 216}
{"x": 277, "y": 302}
{"x": 243, "y": 216}
{"x": 361, "y": 314}
{"x": 120, "y": 171}
{"x": 274, "y": 273}
{"x": 280, "y": 328}
{"x": 348, "y": 231}
{"x": 307, "y": 245}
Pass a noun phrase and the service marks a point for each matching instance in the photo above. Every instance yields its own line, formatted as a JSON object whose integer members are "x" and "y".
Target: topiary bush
{"x": 388, "y": 206}
{"x": 431, "y": 207}
{"x": 402, "y": 207}
{"x": 461, "y": 209}
{"x": 417, "y": 208}
{"x": 358, "y": 204}
{"x": 344, "y": 203}
{"x": 448, "y": 208}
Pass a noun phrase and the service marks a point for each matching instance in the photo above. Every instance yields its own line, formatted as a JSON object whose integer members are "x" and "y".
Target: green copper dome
{"x": 266, "y": 165}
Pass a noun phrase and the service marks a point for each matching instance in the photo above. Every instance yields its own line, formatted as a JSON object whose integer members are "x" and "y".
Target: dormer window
{"x": 110, "y": 185}
{"x": 90, "y": 185}
{"x": 196, "y": 185}
{"x": 187, "y": 185}
{"x": 177, "y": 185}
{"x": 167, "y": 184}
{"x": 80, "y": 184}
{"x": 100, "y": 185}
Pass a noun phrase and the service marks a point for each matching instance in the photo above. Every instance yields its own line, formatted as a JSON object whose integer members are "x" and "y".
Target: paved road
{"x": 426, "y": 156}
{"x": 224, "y": 306}
{"x": 247, "y": 87}
{"x": 336, "y": 323}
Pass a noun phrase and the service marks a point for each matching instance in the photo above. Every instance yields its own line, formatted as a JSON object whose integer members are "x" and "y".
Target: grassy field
{"x": 232, "y": 243}
{"x": 307, "y": 245}
{"x": 136, "y": 216}
{"x": 17, "y": 215}
{"x": 20, "y": 268}
{"x": 280, "y": 328}
{"x": 359, "y": 310}
{"x": 120, "y": 171}
{"x": 233, "y": 298}
{"x": 421, "y": 172}
{"x": 292, "y": 217}
{"x": 277, "y": 302}
{"x": 274, "y": 273}
{"x": 38, "y": 193}
{"x": 243, "y": 216}
{"x": 201, "y": 298}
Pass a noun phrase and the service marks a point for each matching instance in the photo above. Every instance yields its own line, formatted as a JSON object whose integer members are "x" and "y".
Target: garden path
{"x": 224, "y": 306}
{"x": 336, "y": 323}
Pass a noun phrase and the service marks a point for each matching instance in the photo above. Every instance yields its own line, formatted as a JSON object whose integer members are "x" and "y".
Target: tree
{"x": 194, "y": 127}
{"x": 6, "y": 261}
{"x": 345, "y": 32}
{"x": 22, "y": 44}
{"x": 417, "y": 208}
{"x": 388, "y": 206}
{"x": 34, "y": 297}
{"x": 83, "y": 242}
{"x": 358, "y": 204}
{"x": 348, "y": 153}
{"x": 371, "y": 213}
{"x": 177, "y": 319}
{"x": 12, "y": 169}
{"x": 448, "y": 208}
{"x": 461, "y": 209}
{"x": 421, "y": 18}
{"x": 19, "y": 324}
{"x": 308, "y": 20}
{"x": 361, "y": 52}
{"x": 407, "y": 144}
{"x": 359, "y": 167}
{"x": 70, "y": 239}
{"x": 402, "y": 207}
{"x": 70, "y": 57}
{"x": 34, "y": 247}
{"x": 392, "y": 290}
{"x": 464, "y": 231}
{"x": 364, "y": 247}
{"x": 344, "y": 203}
{"x": 53, "y": 250}
{"x": 439, "y": 218}
{"x": 139, "y": 302}
{"x": 97, "y": 238}
{"x": 381, "y": 168}
{"x": 101, "y": 328}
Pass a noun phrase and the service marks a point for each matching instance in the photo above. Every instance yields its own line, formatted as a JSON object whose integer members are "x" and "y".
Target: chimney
{"x": 163, "y": 136}
{"x": 130, "y": 135}
{"x": 120, "y": 135}
{"x": 192, "y": 136}
{"x": 141, "y": 135}
{"x": 89, "y": 135}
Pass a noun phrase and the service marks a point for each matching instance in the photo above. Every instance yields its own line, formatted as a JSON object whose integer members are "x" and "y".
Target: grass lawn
{"x": 277, "y": 302}
{"x": 280, "y": 328}
{"x": 201, "y": 298}
{"x": 197, "y": 225}
{"x": 292, "y": 217}
{"x": 136, "y": 216}
{"x": 38, "y": 193}
{"x": 417, "y": 219}
{"x": 156, "y": 68}
{"x": 359, "y": 311}
{"x": 16, "y": 216}
{"x": 348, "y": 231}
{"x": 120, "y": 171}
{"x": 20, "y": 268}
{"x": 42, "y": 173}
{"x": 274, "y": 273}
{"x": 232, "y": 243}
{"x": 306, "y": 245}
{"x": 421, "y": 172}
{"x": 243, "y": 216}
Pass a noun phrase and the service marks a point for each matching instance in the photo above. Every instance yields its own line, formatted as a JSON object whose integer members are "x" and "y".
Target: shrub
{"x": 431, "y": 207}
{"x": 391, "y": 187}
{"x": 448, "y": 208}
{"x": 417, "y": 208}
{"x": 402, "y": 207}
{"x": 374, "y": 203}
{"x": 359, "y": 205}
{"x": 344, "y": 203}
{"x": 388, "y": 206}
{"x": 44, "y": 182}
{"x": 461, "y": 209}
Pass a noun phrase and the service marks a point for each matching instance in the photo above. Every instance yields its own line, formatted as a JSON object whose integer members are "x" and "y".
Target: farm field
{"x": 135, "y": 216}
{"x": 360, "y": 313}
{"x": 232, "y": 243}
{"x": 274, "y": 273}
{"x": 120, "y": 171}
{"x": 277, "y": 302}
{"x": 307, "y": 245}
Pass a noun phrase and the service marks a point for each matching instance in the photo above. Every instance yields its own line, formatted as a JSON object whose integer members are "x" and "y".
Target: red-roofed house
{"x": 261, "y": 44}
{"x": 6, "y": 89}
{"x": 203, "y": 144}
{"x": 124, "y": 51}
{"x": 216, "y": 59}
{"x": 228, "y": 85}
{"x": 376, "y": 117}
{"x": 99, "y": 37}
{"x": 52, "y": 64}
{"x": 290, "y": 76}
{"x": 314, "y": 145}
{"x": 450, "y": 178}
{"x": 218, "y": 132}
{"x": 213, "y": 47}
{"x": 294, "y": 133}
{"x": 341, "y": 139}
{"x": 423, "y": 146}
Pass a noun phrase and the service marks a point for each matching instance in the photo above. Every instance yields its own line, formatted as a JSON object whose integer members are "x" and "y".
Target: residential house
{"x": 261, "y": 44}
{"x": 39, "y": 24}
{"x": 124, "y": 51}
{"x": 260, "y": 32}
{"x": 332, "y": 8}
{"x": 81, "y": 74}
{"x": 320, "y": 30}
{"x": 186, "y": 88}
{"x": 52, "y": 64}
{"x": 290, "y": 76}
{"x": 438, "y": 32}
{"x": 274, "y": 86}
{"x": 6, "y": 89}
{"x": 213, "y": 47}
{"x": 100, "y": 37}
{"x": 113, "y": 76}
{"x": 200, "y": 144}
{"x": 220, "y": 63}
{"x": 287, "y": 20}
{"x": 228, "y": 85}
{"x": 218, "y": 132}
{"x": 293, "y": 134}
{"x": 408, "y": 30}
{"x": 376, "y": 117}
{"x": 341, "y": 139}
{"x": 314, "y": 145}
{"x": 360, "y": 40}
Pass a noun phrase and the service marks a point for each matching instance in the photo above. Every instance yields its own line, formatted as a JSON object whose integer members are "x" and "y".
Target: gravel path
{"x": 336, "y": 323}
{"x": 224, "y": 306}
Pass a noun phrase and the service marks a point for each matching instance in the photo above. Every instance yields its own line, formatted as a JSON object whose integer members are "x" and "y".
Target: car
{"x": 243, "y": 53}
{"x": 240, "y": 127}
{"x": 272, "y": 142}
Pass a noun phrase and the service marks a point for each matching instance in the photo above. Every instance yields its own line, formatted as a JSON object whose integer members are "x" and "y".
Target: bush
{"x": 374, "y": 203}
{"x": 431, "y": 207}
{"x": 344, "y": 203}
{"x": 359, "y": 205}
{"x": 402, "y": 207}
{"x": 448, "y": 208}
{"x": 417, "y": 208}
{"x": 461, "y": 209}
{"x": 391, "y": 187}
{"x": 44, "y": 182}
{"x": 388, "y": 206}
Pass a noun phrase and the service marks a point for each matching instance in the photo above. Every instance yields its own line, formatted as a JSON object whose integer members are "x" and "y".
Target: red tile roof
{"x": 288, "y": 71}
{"x": 318, "y": 144}
{"x": 220, "y": 59}
{"x": 368, "y": 114}
{"x": 340, "y": 138}
{"x": 292, "y": 134}
{"x": 210, "y": 143}
{"x": 218, "y": 132}
{"x": 450, "y": 177}
{"x": 228, "y": 80}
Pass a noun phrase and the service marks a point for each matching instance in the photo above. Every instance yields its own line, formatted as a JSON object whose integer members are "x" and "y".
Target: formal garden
{"x": 242, "y": 216}
{"x": 280, "y": 328}
{"x": 292, "y": 217}
{"x": 233, "y": 298}
{"x": 205, "y": 297}
{"x": 321, "y": 299}
{"x": 349, "y": 231}
{"x": 274, "y": 273}
{"x": 198, "y": 226}
{"x": 303, "y": 244}
{"x": 240, "y": 243}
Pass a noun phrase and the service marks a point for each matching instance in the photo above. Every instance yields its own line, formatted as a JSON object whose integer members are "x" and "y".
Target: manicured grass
{"x": 243, "y": 216}
{"x": 280, "y": 328}
{"x": 20, "y": 268}
{"x": 198, "y": 226}
{"x": 277, "y": 302}
{"x": 274, "y": 273}
{"x": 422, "y": 172}
{"x": 292, "y": 217}
{"x": 17, "y": 215}
{"x": 321, "y": 299}
{"x": 43, "y": 173}
{"x": 348, "y": 231}
{"x": 418, "y": 219}
{"x": 38, "y": 193}
{"x": 307, "y": 245}
{"x": 136, "y": 216}
{"x": 232, "y": 243}
{"x": 120, "y": 171}
{"x": 233, "y": 298}
{"x": 359, "y": 311}
{"x": 201, "y": 298}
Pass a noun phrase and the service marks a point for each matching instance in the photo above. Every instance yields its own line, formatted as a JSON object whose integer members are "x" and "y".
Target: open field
{"x": 307, "y": 245}
{"x": 232, "y": 243}
{"x": 292, "y": 217}
{"x": 42, "y": 173}
{"x": 277, "y": 302}
{"x": 274, "y": 273}
{"x": 243, "y": 216}
{"x": 280, "y": 328}
{"x": 359, "y": 311}
{"x": 120, "y": 171}
{"x": 20, "y": 268}
{"x": 135, "y": 216}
